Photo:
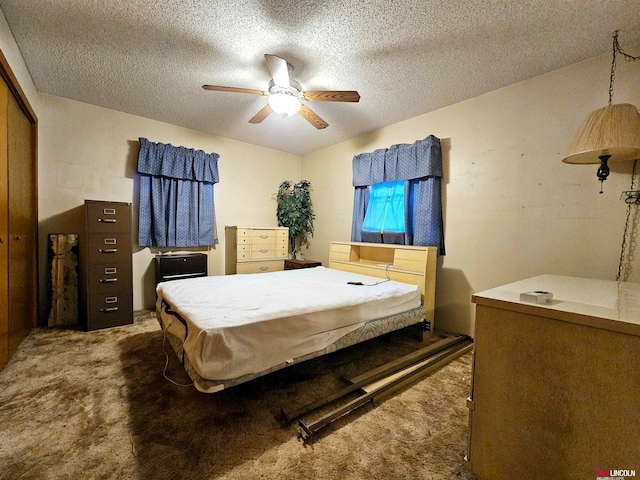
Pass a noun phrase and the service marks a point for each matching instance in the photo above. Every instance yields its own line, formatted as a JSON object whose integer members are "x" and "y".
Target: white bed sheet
{"x": 245, "y": 324}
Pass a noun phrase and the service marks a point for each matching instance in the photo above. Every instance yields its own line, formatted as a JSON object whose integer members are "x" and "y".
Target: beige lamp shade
{"x": 613, "y": 130}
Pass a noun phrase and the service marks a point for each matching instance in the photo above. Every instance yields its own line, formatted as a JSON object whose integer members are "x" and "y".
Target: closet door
{"x": 23, "y": 291}
{"x": 18, "y": 215}
{"x": 4, "y": 230}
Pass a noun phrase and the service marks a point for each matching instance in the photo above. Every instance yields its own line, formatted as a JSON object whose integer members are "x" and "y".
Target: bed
{"x": 230, "y": 329}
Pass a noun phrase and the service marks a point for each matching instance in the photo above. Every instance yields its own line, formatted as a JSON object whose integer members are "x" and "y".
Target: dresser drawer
{"x": 110, "y": 310}
{"x": 106, "y": 217}
{"x": 261, "y": 267}
{"x": 263, "y": 250}
{"x": 109, "y": 248}
{"x": 263, "y": 236}
{"x": 109, "y": 277}
{"x": 267, "y": 250}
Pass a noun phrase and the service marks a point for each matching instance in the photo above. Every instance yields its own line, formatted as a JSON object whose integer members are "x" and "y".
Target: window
{"x": 384, "y": 221}
{"x": 397, "y": 196}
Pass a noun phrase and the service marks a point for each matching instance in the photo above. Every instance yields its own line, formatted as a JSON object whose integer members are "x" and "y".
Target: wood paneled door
{"x": 18, "y": 216}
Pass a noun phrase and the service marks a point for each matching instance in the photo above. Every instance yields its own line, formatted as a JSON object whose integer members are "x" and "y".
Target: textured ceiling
{"x": 404, "y": 57}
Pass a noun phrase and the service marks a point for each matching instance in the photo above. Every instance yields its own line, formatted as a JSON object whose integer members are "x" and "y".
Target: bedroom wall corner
{"x": 512, "y": 209}
{"x": 12, "y": 53}
{"x": 89, "y": 152}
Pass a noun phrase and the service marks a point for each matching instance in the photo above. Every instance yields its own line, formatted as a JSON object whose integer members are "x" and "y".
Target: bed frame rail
{"x": 381, "y": 382}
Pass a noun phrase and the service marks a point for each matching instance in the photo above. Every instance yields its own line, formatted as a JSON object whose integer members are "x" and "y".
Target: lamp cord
{"x": 628, "y": 58}
{"x": 613, "y": 65}
{"x": 626, "y": 225}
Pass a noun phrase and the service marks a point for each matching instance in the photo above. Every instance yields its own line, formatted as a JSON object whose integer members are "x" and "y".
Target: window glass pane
{"x": 385, "y": 212}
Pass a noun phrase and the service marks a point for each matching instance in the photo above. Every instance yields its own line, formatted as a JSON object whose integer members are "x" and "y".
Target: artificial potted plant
{"x": 294, "y": 210}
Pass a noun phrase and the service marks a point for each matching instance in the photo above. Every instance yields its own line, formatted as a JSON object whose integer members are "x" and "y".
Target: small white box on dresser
{"x": 536, "y": 296}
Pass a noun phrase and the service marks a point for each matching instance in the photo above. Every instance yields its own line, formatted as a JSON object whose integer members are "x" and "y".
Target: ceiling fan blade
{"x": 261, "y": 115}
{"x": 332, "y": 96}
{"x": 313, "y": 118}
{"x": 279, "y": 70}
{"x": 219, "y": 88}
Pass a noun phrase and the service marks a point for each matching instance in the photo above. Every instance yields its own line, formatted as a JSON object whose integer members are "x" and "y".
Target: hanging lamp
{"x": 609, "y": 134}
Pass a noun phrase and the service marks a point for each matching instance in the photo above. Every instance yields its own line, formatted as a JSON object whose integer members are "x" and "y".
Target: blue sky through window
{"x": 385, "y": 212}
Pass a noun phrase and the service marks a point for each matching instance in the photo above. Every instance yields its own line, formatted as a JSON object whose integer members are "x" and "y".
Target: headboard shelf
{"x": 402, "y": 263}
{"x": 380, "y": 266}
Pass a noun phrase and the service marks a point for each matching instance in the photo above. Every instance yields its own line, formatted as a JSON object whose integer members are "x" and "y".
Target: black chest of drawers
{"x": 179, "y": 266}
{"x": 106, "y": 286}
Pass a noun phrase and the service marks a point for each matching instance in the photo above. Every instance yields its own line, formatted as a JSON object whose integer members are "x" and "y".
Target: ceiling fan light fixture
{"x": 285, "y": 95}
{"x": 284, "y": 104}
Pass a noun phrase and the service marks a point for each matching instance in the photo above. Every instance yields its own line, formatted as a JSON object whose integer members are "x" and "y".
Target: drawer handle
{"x": 107, "y": 220}
{"x": 264, "y": 269}
{"x": 264, "y": 236}
{"x": 108, "y": 280}
{"x": 263, "y": 250}
{"x": 109, "y": 309}
{"x": 108, "y": 250}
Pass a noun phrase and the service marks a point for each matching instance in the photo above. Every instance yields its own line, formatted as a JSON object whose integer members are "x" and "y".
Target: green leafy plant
{"x": 295, "y": 211}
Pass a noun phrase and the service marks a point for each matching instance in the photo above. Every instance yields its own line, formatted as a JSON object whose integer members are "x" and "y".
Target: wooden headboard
{"x": 403, "y": 263}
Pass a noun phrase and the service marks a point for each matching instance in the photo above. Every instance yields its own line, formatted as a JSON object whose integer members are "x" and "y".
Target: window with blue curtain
{"x": 176, "y": 196}
{"x": 384, "y": 221}
{"x": 418, "y": 167}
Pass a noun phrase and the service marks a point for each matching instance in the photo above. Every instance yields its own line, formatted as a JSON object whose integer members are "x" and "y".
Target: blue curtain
{"x": 176, "y": 196}
{"x": 420, "y": 166}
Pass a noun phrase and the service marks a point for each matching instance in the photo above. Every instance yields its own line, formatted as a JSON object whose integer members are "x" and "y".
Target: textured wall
{"x": 89, "y": 152}
{"x": 512, "y": 209}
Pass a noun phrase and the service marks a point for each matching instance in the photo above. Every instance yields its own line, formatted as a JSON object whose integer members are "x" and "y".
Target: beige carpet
{"x": 95, "y": 405}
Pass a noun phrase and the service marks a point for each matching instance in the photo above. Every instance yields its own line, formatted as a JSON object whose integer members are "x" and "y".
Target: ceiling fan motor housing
{"x": 294, "y": 89}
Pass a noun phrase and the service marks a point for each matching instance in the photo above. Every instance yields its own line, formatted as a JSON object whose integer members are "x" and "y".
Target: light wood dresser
{"x": 556, "y": 386}
{"x": 255, "y": 249}
{"x": 106, "y": 286}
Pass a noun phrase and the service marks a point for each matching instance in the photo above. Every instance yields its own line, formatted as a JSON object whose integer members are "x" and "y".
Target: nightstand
{"x": 294, "y": 264}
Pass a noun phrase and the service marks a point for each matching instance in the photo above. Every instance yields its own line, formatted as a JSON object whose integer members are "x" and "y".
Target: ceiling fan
{"x": 285, "y": 95}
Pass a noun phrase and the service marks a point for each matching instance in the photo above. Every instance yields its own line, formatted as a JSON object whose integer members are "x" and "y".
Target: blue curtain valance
{"x": 176, "y": 196}
{"x": 182, "y": 163}
{"x": 399, "y": 162}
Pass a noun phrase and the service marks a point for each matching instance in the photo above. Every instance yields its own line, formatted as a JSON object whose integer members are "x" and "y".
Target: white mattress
{"x": 245, "y": 324}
